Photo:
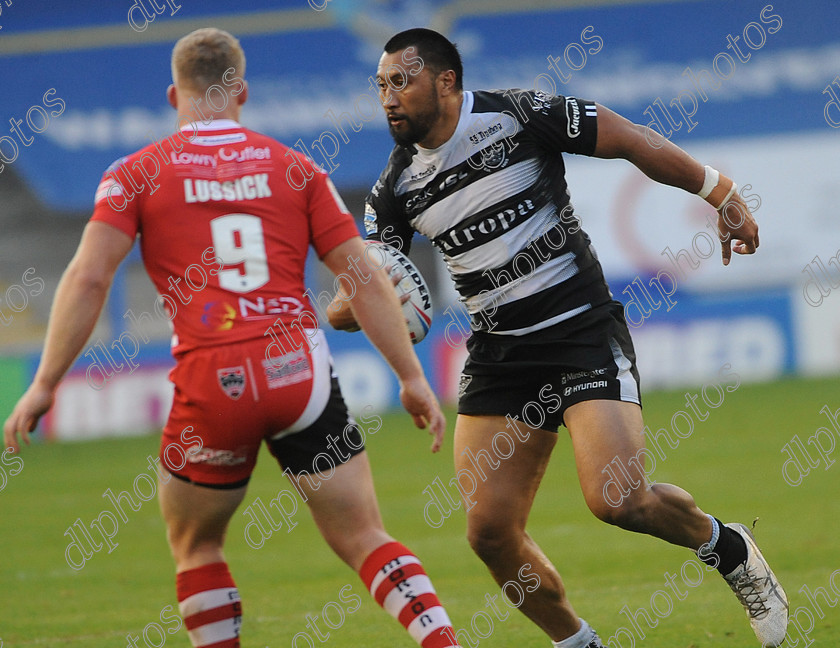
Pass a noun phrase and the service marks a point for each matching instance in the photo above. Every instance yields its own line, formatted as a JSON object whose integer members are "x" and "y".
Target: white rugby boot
{"x": 759, "y": 591}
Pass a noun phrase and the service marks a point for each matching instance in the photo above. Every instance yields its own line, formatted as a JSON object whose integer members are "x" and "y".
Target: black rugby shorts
{"x": 535, "y": 377}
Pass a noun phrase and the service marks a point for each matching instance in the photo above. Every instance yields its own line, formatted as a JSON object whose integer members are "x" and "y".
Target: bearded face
{"x": 411, "y": 124}
{"x": 410, "y": 99}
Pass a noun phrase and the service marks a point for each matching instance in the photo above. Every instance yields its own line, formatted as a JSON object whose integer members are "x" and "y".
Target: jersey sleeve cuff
{"x": 118, "y": 221}
{"x": 330, "y": 239}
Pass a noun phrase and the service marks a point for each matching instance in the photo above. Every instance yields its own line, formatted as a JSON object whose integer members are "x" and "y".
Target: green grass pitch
{"x": 731, "y": 463}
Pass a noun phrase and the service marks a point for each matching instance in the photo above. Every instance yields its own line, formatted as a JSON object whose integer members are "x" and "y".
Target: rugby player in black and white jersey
{"x": 482, "y": 176}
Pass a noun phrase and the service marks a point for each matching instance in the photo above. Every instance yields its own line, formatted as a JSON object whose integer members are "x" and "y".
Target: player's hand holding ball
{"x": 410, "y": 285}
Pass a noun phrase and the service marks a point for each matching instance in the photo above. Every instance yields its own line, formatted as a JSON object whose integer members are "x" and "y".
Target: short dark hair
{"x": 437, "y": 52}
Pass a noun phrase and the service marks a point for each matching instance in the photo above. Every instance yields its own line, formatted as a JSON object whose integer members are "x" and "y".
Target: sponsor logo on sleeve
{"x": 572, "y": 117}
{"x": 110, "y": 186}
{"x": 542, "y": 102}
{"x": 370, "y": 220}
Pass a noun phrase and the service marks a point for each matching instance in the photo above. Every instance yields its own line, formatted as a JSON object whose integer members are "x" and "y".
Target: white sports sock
{"x": 709, "y": 547}
{"x": 580, "y": 639}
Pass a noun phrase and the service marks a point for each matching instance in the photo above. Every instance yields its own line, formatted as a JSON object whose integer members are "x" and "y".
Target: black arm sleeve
{"x": 560, "y": 124}
{"x": 384, "y": 220}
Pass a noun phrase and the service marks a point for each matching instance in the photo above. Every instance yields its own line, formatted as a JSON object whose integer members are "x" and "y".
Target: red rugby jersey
{"x": 224, "y": 228}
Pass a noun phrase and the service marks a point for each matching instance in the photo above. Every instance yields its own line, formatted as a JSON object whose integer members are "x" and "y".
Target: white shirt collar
{"x": 463, "y": 120}
{"x": 215, "y": 124}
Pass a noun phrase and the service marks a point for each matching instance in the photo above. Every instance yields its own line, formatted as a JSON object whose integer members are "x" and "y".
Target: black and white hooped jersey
{"x": 493, "y": 199}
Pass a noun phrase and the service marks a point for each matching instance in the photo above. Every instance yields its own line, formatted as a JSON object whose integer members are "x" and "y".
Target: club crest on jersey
{"x": 232, "y": 381}
{"x": 494, "y": 156}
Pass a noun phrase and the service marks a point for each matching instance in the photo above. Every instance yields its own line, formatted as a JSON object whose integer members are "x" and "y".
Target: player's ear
{"x": 172, "y": 96}
{"x": 242, "y": 97}
{"x": 447, "y": 81}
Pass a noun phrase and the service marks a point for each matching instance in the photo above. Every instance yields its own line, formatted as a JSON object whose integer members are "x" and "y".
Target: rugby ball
{"x": 418, "y": 308}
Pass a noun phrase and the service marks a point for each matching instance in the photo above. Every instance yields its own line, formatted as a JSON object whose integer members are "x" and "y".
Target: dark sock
{"x": 729, "y": 551}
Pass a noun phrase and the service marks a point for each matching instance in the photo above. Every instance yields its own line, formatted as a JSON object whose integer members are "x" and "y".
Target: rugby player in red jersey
{"x": 225, "y": 217}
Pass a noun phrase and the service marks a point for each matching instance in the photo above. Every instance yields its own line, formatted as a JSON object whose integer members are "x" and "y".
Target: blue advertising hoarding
{"x": 98, "y": 84}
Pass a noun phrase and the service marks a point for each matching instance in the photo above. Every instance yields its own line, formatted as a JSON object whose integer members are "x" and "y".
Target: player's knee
{"x": 630, "y": 512}
{"x": 603, "y": 510}
{"x": 192, "y": 551}
{"x": 492, "y": 541}
{"x": 186, "y": 541}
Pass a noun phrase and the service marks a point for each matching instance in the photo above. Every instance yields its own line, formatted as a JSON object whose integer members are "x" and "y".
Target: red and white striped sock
{"x": 210, "y": 607}
{"x": 396, "y": 579}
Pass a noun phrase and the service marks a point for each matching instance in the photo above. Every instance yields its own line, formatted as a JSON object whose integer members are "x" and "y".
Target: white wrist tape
{"x": 710, "y": 182}
{"x": 728, "y": 196}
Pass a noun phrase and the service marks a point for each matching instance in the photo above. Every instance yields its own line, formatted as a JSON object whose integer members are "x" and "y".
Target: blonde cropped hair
{"x": 201, "y": 58}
